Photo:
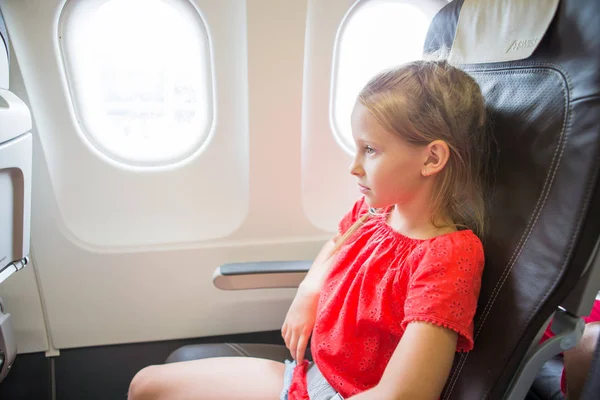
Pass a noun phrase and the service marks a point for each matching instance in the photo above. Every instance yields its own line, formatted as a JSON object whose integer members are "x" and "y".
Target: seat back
{"x": 544, "y": 203}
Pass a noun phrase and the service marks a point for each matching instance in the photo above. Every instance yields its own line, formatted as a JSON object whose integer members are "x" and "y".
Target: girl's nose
{"x": 356, "y": 169}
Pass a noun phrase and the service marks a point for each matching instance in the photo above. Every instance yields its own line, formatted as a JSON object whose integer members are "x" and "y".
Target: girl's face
{"x": 389, "y": 170}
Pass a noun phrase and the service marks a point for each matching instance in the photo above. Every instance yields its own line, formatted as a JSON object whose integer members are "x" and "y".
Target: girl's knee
{"x": 145, "y": 385}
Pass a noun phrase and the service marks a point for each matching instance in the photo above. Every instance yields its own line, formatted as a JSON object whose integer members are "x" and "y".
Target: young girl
{"x": 390, "y": 299}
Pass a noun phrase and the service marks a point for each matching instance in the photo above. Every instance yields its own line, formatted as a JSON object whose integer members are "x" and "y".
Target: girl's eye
{"x": 369, "y": 150}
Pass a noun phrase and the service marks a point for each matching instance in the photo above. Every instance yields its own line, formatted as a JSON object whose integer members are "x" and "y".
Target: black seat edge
{"x": 210, "y": 350}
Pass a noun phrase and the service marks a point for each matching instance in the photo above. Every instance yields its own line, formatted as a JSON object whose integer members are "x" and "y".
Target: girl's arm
{"x": 301, "y": 316}
{"x": 316, "y": 274}
{"x": 419, "y": 366}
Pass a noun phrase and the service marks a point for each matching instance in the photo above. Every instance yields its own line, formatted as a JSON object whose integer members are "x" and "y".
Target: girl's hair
{"x": 423, "y": 101}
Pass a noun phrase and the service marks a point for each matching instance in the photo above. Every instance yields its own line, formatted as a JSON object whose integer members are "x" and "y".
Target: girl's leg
{"x": 225, "y": 378}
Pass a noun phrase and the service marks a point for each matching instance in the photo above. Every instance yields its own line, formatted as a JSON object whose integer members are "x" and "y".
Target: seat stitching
{"x": 242, "y": 349}
{"x": 237, "y": 349}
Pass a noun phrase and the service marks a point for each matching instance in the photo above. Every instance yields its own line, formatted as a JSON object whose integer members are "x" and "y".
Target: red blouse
{"x": 380, "y": 282}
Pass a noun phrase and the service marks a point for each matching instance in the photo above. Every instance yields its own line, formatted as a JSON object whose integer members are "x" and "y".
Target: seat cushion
{"x": 198, "y": 351}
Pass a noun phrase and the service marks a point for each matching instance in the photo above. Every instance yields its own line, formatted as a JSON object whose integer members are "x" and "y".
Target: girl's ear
{"x": 437, "y": 153}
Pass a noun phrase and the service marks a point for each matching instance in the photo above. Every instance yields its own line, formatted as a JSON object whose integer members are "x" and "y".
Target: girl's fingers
{"x": 286, "y": 339}
{"x": 301, "y": 349}
{"x": 293, "y": 344}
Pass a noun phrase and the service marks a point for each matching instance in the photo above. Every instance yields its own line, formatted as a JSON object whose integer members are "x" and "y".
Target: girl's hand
{"x": 299, "y": 322}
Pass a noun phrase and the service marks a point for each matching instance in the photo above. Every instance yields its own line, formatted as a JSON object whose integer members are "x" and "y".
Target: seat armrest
{"x": 260, "y": 275}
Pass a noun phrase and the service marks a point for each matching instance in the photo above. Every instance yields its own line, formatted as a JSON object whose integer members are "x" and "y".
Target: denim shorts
{"x": 317, "y": 385}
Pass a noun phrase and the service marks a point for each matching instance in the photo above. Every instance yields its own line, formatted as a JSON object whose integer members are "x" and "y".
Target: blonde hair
{"x": 424, "y": 101}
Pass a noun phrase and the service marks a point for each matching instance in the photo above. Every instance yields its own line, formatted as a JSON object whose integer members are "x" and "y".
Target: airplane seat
{"x": 15, "y": 194}
{"x": 538, "y": 65}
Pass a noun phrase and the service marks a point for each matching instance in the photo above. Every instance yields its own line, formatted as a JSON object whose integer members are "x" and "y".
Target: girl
{"x": 391, "y": 298}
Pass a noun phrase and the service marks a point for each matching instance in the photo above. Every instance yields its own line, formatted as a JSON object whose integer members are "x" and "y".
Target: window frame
{"x": 90, "y": 135}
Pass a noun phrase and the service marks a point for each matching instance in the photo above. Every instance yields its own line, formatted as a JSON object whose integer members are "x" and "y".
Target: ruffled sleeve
{"x": 358, "y": 210}
{"x": 444, "y": 285}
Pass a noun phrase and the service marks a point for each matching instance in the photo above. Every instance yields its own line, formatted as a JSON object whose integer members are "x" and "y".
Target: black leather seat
{"x": 258, "y": 350}
{"x": 545, "y": 117}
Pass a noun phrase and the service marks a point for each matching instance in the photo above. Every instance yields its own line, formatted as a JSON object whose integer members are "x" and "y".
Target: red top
{"x": 380, "y": 282}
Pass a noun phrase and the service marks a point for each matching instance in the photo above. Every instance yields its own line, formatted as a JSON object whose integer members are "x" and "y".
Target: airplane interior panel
{"x": 271, "y": 199}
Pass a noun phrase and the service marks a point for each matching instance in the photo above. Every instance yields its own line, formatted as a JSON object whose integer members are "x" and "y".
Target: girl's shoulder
{"x": 459, "y": 240}
{"x": 450, "y": 247}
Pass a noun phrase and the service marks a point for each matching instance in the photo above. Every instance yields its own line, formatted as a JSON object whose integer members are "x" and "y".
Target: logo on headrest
{"x": 523, "y": 44}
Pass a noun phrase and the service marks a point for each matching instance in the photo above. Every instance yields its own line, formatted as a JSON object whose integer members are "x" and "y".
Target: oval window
{"x": 139, "y": 72}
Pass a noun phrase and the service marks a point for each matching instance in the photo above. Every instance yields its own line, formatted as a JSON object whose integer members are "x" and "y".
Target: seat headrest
{"x": 495, "y": 31}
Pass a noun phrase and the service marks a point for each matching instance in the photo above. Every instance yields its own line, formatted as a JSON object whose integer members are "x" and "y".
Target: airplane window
{"x": 374, "y": 36}
{"x": 140, "y": 77}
